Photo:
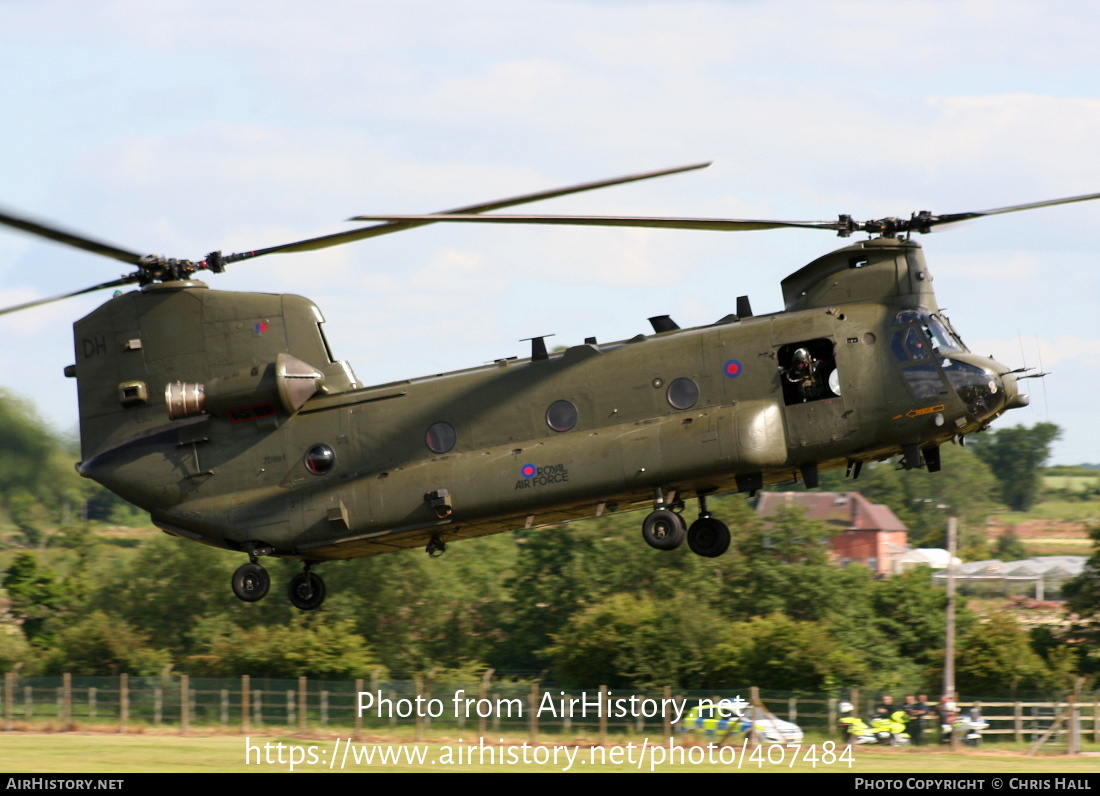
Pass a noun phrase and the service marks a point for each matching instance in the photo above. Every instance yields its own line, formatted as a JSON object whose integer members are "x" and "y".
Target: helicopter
{"x": 226, "y": 416}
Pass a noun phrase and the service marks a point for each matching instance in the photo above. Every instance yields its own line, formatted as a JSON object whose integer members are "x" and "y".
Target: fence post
{"x": 754, "y": 700}
{"x": 482, "y": 694}
{"x": 1018, "y": 721}
{"x": 792, "y": 710}
{"x": 123, "y": 702}
{"x": 417, "y": 686}
{"x": 9, "y": 700}
{"x": 603, "y": 715}
{"x": 666, "y": 721}
{"x": 224, "y": 717}
{"x": 67, "y": 701}
{"x": 91, "y": 702}
{"x": 1073, "y": 743}
{"x": 358, "y": 713}
{"x": 532, "y": 707}
{"x": 185, "y": 704}
{"x": 302, "y": 704}
{"x": 245, "y": 727}
{"x": 1096, "y": 721}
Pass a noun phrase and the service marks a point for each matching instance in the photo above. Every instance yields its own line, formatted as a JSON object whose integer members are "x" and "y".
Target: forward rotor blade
{"x": 952, "y": 218}
{"x": 720, "y": 224}
{"x": 126, "y": 280}
{"x": 384, "y": 229}
{"x": 69, "y": 238}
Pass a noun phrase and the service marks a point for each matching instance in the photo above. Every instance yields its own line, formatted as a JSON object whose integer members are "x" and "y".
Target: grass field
{"x": 63, "y": 753}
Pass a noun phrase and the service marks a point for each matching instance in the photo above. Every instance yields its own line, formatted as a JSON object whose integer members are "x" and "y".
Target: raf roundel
{"x": 528, "y": 470}
{"x": 732, "y": 369}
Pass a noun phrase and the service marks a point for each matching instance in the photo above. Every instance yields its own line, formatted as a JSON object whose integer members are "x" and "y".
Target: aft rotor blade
{"x": 60, "y": 235}
{"x": 350, "y": 236}
{"x": 952, "y": 218}
{"x": 720, "y": 224}
{"x": 126, "y": 280}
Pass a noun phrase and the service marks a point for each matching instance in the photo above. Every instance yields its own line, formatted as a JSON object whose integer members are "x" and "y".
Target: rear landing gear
{"x": 251, "y": 582}
{"x": 306, "y": 590}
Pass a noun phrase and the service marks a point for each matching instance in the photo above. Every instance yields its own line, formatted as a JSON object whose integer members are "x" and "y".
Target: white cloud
{"x": 1012, "y": 266}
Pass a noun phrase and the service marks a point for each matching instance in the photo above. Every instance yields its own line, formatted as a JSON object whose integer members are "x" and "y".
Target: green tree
{"x": 1082, "y": 593}
{"x": 1008, "y": 546}
{"x": 996, "y": 657}
{"x": 781, "y": 653}
{"x": 562, "y": 570}
{"x": 912, "y": 611}
{"x": 965, "y": 488}
{"x": 170, "y": 584}
{"x": 99, "y": 644}
{"x": 14, "y": 648}
{"x": 300, "y": 648}
{"x": 782, "y": 565}
{"x": 1016, "y": 456}
{"x": 420, "y": 613}
{"x": 635, "y": 641}
{"x": 36, "y": 473}
{"x": 35, "y": 595}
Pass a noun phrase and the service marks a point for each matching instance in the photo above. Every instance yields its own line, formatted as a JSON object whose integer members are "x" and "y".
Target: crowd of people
{"x": 915, "y": 719}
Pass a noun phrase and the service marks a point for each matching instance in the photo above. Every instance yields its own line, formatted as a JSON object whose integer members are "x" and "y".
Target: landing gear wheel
{"x": 663, "y": 529}
{"x": 306, "y": 591}
{"x": 251, "y": 582}
{"x": 708, "y": 537}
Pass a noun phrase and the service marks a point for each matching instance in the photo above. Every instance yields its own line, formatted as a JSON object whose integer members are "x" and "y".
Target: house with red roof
{"x": 864, "y": 532}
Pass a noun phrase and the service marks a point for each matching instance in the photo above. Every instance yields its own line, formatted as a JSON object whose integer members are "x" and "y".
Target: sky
{"x": 178, "y": 128}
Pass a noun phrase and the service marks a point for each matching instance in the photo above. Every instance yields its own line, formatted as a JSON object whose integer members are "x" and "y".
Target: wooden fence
{"x": 252, "y": 705}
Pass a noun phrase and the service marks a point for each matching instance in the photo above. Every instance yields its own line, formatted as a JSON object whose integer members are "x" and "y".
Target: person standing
{"x": 945, "y": 714}
{"x": 915, "y": 710}
{"x": 885, "y": 708}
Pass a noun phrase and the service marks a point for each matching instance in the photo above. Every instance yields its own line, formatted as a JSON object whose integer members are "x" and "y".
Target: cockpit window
{"x": 910, "y": 345}
{"x": 925, "y": 381}
{"x": 941, "y": 338}
{"x": 978, "y": 388}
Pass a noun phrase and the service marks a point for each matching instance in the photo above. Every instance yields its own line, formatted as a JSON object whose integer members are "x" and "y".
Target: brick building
{"x": 864, "y": 532}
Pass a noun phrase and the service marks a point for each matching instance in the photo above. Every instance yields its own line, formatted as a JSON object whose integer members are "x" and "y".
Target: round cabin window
{"x": 683, "y": 393}
{"x": 441, "y": 437}
{"x": 320, "y": 459}
{"x": 561, "y": 416}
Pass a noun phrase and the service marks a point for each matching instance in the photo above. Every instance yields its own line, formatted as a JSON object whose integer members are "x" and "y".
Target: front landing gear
{"x": 251, "y": 582}
{"x": 306, "y": 590}
{"x": 707, "y": 536}
{"x": 663, "y": 528}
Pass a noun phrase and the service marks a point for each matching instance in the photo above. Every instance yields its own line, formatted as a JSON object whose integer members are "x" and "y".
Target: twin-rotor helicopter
{"x": 227, "y": 418}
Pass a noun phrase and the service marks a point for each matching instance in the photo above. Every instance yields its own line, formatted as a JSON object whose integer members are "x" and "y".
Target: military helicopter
{"x": 226, "y": 416}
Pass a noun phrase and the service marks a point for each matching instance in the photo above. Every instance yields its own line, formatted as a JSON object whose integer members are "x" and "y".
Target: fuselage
{"x": 859, "y": 366}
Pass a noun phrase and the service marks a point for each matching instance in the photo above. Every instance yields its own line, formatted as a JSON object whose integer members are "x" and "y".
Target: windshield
{"x": 935, "y": 328}
{"x": 980, "y": 390}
